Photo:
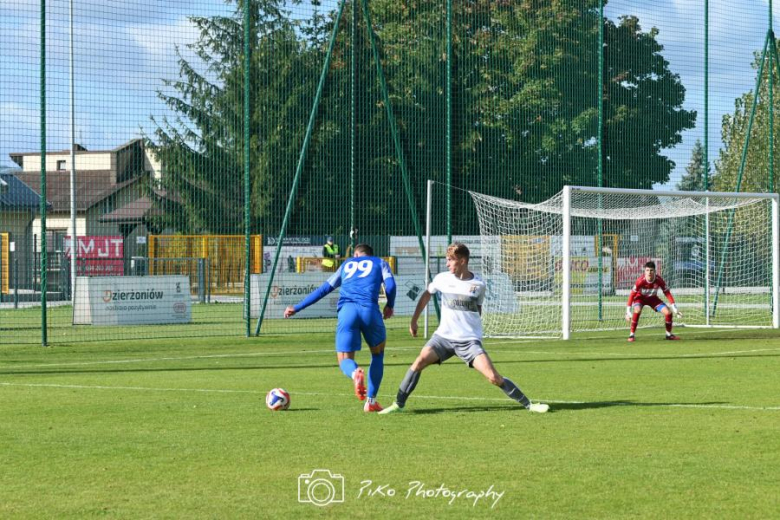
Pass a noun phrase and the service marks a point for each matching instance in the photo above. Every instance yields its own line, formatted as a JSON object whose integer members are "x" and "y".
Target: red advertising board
{"x": 98, "y": 255}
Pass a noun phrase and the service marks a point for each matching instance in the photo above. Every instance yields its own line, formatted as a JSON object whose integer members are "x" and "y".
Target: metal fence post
{"x": 15, "y": 267}
{"x": 201, "y": 281}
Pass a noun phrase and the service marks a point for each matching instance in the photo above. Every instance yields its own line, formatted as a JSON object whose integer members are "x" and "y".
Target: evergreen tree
{"x": 755, "y": 173}
{"x": 693, "y": 180}
{"x": 525, "y": 97}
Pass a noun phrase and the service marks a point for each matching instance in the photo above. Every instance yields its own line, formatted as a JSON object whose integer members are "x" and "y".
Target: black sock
{"x": 407, "y": 387}
{"x": 515, "y": 393}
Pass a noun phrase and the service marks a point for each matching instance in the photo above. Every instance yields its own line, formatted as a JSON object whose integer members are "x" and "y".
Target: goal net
{"x": 568, "y": 264}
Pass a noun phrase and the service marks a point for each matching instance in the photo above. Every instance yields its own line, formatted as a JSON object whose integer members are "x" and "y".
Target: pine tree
{"x": 693, "y": 180}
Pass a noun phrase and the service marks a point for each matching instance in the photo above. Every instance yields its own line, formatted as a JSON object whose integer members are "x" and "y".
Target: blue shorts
{"x": 355, "y": 319}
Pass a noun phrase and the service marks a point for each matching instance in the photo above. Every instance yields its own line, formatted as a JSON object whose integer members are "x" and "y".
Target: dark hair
{"x": 459, "y": 250}
{"x": 365, "y": 249}
{"x": 650, "y": 264}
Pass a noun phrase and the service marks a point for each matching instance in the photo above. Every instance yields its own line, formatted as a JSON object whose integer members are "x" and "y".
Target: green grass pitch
{"x": 179, "y": 429}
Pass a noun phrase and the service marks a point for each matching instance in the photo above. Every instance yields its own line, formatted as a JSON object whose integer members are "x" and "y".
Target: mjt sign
{"x": 97, "y": 255}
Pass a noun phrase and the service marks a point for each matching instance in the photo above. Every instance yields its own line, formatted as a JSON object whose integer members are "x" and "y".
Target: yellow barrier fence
{"x": 224, "y": 255}
{"x": 311, "y": 264}
{"x": 5, "y": 262}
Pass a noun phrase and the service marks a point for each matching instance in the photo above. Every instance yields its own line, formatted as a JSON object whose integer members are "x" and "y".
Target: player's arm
{"x": 481, "y": 299}
{"x": 421, "y": 304}
{"x": 390, "y": 290}
{"x": 319, "y": 293}
{"x": 668, "y": 293}
{"x": 631, "y": 296}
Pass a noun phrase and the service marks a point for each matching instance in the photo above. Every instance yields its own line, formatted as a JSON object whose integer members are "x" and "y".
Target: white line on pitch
{"x": 190, "y": 358}
{"x": 328, "y": 351}
{"x": 589, "y": 353}
{"x": 185, "y": 358}
{"x": 135, "y": 388}
{"x": 322, "y": 394}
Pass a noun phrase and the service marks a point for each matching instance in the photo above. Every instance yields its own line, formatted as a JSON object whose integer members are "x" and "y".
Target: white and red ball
{"x": 277, "y": 399}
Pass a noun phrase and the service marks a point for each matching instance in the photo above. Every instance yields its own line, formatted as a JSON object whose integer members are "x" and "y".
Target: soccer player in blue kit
{"x": 360, "y": 279}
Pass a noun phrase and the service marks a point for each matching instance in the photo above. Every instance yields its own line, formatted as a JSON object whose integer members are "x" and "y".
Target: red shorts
{"x": 651, "y": 301}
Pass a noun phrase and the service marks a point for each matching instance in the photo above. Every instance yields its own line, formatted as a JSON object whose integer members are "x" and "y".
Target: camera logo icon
{"x": 320, "y": 487}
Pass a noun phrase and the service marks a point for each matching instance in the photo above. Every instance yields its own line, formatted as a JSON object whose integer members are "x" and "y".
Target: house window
{"x": 55, "y": 239}
{"x": 108, "y": 205}
{"x": 61, "y": 165}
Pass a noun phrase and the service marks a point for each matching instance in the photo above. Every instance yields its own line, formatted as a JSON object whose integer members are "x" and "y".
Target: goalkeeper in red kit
{"x": 645, "y": 292}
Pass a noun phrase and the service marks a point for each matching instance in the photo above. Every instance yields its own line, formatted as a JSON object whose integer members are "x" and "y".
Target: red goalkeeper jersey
{"x": 644, "y": 289}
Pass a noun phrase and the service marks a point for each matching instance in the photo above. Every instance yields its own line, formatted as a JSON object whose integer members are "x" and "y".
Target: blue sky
{"x": 124, "y": 47}
{"x": 736, "y": 31}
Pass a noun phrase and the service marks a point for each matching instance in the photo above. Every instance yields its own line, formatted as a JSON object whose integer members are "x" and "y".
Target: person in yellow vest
{"x": 330, "y": 255}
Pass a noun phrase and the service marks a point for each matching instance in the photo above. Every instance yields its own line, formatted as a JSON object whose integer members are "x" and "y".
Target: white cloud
{"x": 159, "y": 41}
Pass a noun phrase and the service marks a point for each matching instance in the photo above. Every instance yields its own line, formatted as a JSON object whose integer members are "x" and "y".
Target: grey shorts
{"x": 465, "y": 350}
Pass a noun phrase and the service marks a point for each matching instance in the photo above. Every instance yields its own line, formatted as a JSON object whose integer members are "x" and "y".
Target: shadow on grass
{"x": 468, "y": 409}
{"x": 610, "y": 404}
{"x": 555, "y": 407}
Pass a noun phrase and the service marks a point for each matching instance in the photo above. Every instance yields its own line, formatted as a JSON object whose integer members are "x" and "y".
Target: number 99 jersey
{"x": 360, "y": 279}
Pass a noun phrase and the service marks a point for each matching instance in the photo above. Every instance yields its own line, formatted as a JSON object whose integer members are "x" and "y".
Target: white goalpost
{"x": 567, "y": 264}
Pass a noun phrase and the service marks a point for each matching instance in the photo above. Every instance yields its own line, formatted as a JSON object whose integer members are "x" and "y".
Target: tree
{"x": 746, "y": 170}
{"x": 755, "y": 174}
{"x": 202, "y": 149}
{"x": 643, "y": 107}
{"x": 693, "y": 180}
{"x": 525, "y": 97}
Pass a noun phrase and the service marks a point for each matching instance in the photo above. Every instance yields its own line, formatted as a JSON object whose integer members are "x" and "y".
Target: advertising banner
{"x": 132, "y": 300}
{"x": 410, "y": 259}
{"x": 98, "y": 255}
{"x": 585, "y": 274}
{"x": 289, "y": 289}
{"x": 293, "y": 247}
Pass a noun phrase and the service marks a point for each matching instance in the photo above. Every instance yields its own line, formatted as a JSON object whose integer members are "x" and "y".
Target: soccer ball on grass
{"x": 277, "y": 399}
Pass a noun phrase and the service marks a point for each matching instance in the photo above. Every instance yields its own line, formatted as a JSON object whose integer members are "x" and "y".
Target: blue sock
{"x": 375, "y": 372}
{"x": 348, "y": 366}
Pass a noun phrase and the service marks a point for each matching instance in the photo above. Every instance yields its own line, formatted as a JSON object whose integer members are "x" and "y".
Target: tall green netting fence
{"x": 213, "y": 146}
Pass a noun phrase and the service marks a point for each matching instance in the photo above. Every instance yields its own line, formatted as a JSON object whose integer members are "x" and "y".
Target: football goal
{"x": 567, "y": 264}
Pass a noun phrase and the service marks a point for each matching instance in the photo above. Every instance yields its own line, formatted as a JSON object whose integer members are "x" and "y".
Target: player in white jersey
{"x": 460, "y": 330}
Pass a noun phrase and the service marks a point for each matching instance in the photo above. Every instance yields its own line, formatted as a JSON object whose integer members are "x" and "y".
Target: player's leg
{"x": 350, "y": 368}
{"x": 668, "y": 317}
{"x": 347, "y": 363}
{"x": 347, "y": 343}
{"x": 375, "y": 373}
{"x": 484, "y": 365}
{"x": 375, "y": 334}
{"x": 373, "y": 328}
{"x": 637, "y": 312}
{"x": 428, "y": 356}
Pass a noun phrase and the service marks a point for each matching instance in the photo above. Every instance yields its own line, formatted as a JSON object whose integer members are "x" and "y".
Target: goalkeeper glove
{"x": 628, "y": 313}
{"x": 676, "y": 311}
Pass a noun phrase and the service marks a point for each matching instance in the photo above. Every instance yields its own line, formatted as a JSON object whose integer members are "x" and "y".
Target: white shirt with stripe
{"x": 460, "y": 302}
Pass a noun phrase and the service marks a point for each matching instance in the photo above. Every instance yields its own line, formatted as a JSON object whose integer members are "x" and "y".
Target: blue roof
{"x": 16, "y": 194}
